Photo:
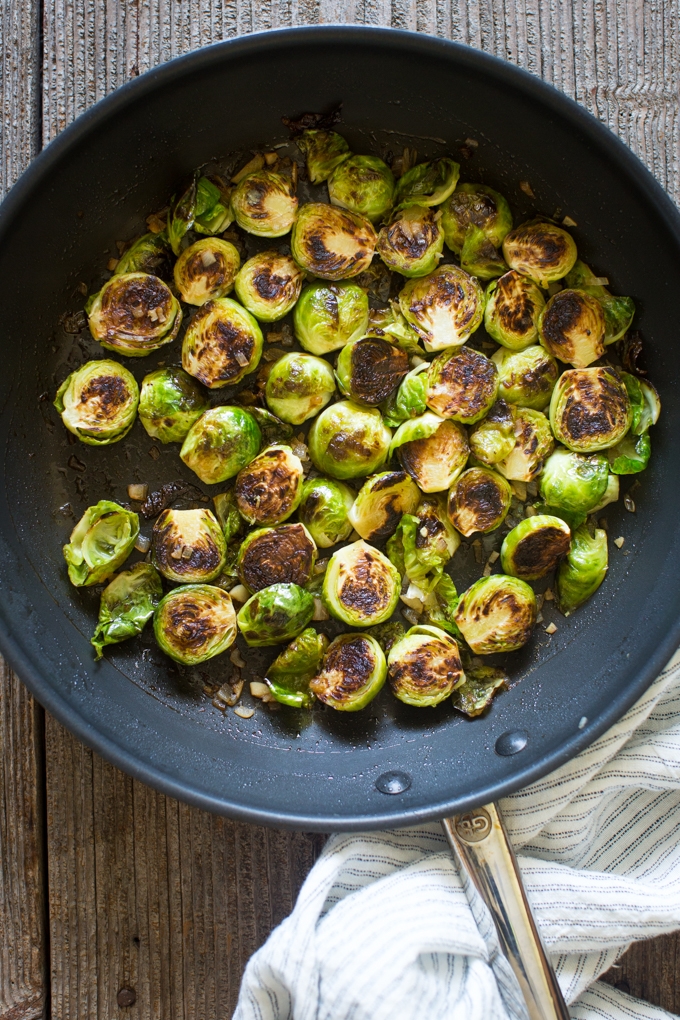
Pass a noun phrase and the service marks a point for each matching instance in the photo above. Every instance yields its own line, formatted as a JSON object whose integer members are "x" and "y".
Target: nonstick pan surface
{"x": 93, "y": 185}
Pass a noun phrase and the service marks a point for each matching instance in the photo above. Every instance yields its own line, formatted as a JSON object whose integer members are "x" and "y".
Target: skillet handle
{"x": 481, "y": 848}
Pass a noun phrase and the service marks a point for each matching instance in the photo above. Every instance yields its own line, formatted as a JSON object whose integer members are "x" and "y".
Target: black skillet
{"x": 93, "y": 185}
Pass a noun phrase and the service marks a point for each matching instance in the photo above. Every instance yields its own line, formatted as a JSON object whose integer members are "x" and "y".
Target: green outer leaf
{"x": 100, "y": 543}
{"x": 618, "y": 311}
{"x": 181, "y": 215}
{"x": 476, "y": 693}
{"x": 226, "y": 511}
{"x": 420, "y": 559}
{"x": 127, "y": 603}
{"x": 441, "y": 605}
{"x": 275, "y": 614}
{"x": 289, "y": 674}
{"x": 408, "y": 401}
{"x": 480, "y": 257}
{"x": 428, "y": 183}
{"x": 584, "y": 568}
{"x": 421, "y": 427}
{"x": 631, "y": 455}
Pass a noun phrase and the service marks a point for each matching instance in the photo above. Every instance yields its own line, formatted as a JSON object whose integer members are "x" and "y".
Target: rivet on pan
{"x": 393, "y": 782}
{"x": 512, "y": 742}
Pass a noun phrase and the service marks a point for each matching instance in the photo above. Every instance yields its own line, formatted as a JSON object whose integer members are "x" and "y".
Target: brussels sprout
{"x": 148, "y": 254}
{"x": 494, "y": 438}
{"x": 480, "y": 257}
{"x": 226, "y": 512}
{"x": 535, "y": 547}
{"x": 475, "y": 694}
{"x": 330, "y": 315}
{"x": 496, "y": 614}
{"x": 409, "y": 400}
{"x": 427, "y": 183}
{"x": 441, "y": 605}
{"x": 268, "y": 285}
{"x": 324, "y": 510}
{"x": 272, "y": 428}
{"x": 424, "y": 667}
{"x": 590, "y": 409}
{"x": 324, "y": 151}
{"x": 134, "y": 314}
{"x": 276, "y": 556}
{"x": 265, "y": 203}
{"x": 573, "y": 482}
{"x": 127, "y": 603}
{"x": 206, "y": 270}
{"x": 348, "y": 441}
{"x": 195, "y": 623}
{"x": 644, "y": 403}
{"x": 361, "y": 586}
{"x": 618, "y": 311}
{"x": 222, "y": 344}
{"x": 170, "y": 403}
{"x": 220, "y": 443}
{"x": 275, "y": 614}
{"x": 583, "y": 570}
{"x": 98, "y": 402}
{"x": 381, "y": 501}
{"x": 353, "y": 671}
{"x": 479, "y": 501}
{"x": 299, "y": 386}
{"x": 269, "y": 489}
{"x": 100, "y": 543}
{"x": 369, "y": 370}
{"x": 390, "y": 323}
{"x": 289, "y": 674}
{"x": 475, "y": 205}
{"x": 412, "y": 242}
{"x": 364, "y": 185}
{"x": 332, "y": 243}
{"x": 526, "y": 377}
{"x": 513, "y": 306}
{"x": 423, "y": 544}
{"x": 571, "y": 327}
{"x": 533, "y": 443}
{"x": 188, "y": 546}
{"x": 541, "y": 251}
{"x": 433, "y": 451}
{"x": 205, "y": 206}
{"x": 611, "y": 494}
{"x": 631, "y": 455}
{"x": 462, "y": 384}
{"x": 445, "y": 308}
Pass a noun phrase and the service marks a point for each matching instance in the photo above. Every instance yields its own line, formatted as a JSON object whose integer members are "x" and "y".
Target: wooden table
{"x": 110, "y": 893}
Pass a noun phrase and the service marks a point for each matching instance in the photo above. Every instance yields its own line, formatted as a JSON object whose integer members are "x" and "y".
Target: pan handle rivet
{"x": 511, "y": 742}
{"x": 393, "y": 782}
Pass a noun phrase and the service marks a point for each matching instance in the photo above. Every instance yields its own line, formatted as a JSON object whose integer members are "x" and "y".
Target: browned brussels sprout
{"x": 364, "y": 185}
{"x": 332, "y": 243}
{"x": 269, "y": 489}
{"x": 445, "y": 308}
{"x": 220, "y": 443}
{"x": 361, "y": 586}
{"x": 195, "y": 623}
{"x": 493, "y": 439}
{"x": 590, "y": 409}
{"x": 535, "y": 547}
{"x": 475, "y": 220}
{"x": 462, "y": 384}
{"x": 150, "y": 253}
{"x": 268, "y": 285}
{"x": 541, "y": 251}
{"x": 513, "y": 305}
{"x": 526, "y": 377}
{"x": 188, "y": 546}
{"x": 275, "y": 614}
{"x": 433, "y": 451}
{"x": 618, "y": 311}
{"x": 276, "y": 556}
{"x": 571, "y": 327}
{"x": 299, "y": 386}
{"x": 349, "y": 441}
{"x": 353, "y": 672}
{"x": 381, "y": 501}
{"x": 369, "y": 370}
{"x": 428, "y": 183}
{"x": 496, "y": 614}
{"x": 324, "y": 150}
{"x": 533, "y": 443}
{"x": 265, "y": 203}
{"x": 479, "y": 501}
{"x": 169, "y": 404}
{"x": 222, "y": 344}
{"x": 330, "y": 315}
{"x": 98, "y": 402}
{"x": 424, "y": 667}
{"x": 134, "y": 314}
{"x": 412, "y": 242}
{"x": 324, "y": 509}
{"x": 206, "y": 269}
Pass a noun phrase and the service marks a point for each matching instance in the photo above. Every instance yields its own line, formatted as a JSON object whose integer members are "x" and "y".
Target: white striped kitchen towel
{"x": 382, "y": 929}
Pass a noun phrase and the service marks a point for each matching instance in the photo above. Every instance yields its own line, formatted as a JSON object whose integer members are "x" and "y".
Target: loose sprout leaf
{"x": 100, "y": 543}
{"x": 127, "y": 604}
{"x": 148, "y": 254}
{"x": 408, "y": 401}
{"x": 441, "y": 605}
{"x": 226, "y": 511}
{"x": 314, "y": 121}
{"x": 324, "y": 150}
{"x": 476, "y": 693}
{"x": 583, "y": 570}
{"x": 423, "y": 544}
{"x": 618, "y": 311}
{"x": 387, "y": 634}
{"x": 182, "y": 214}
{"x": 272, "y": 428}
{"x": 631, "y": 455}
{"x": 289, "y": 674}
{"x": 428, "y": 183}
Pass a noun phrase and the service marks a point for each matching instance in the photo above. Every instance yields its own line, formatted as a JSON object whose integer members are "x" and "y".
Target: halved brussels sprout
{"x": 480, "y": 257}
{"x": 535, "y": 547}
{"x": 583, "y": 570}
{"x": 265, "y": 203}
{"x": 423, "y": 544}
{"x": 496, "y": 614}
{"x": 323, "y": 150}
{"x": 332, "y": 243}
{"x": 348, "y": 441}
{"x": 100, "y": 543}
{"x": 513, "y": 306}
{"x": 479, "y": 501}
{"x": 432, "y": 450}
{"x": 590, "y": 409}
{"x": 631, "y": 455}
{"x": 427, "y": 183}
{"x": 369, "y": 370}
{"x": 127, "y": 603}
{"x": 169, "y": 404}
{"x": 409, "y": 400}
{"x": 276, "y": 556}
{"x": 542, "y": 251}
{"x": 445, "y": 308}
{"x": 533, "y": 443}
{"x": 571, "y": 327}
{"x": 206, "y": 270}
{"x": 275, "y": 614}
{"x": 353, "y": 671}
{"x": 205, "y": 206}
{"x": 462, "y": 384}
{"x": 361, "y": 586}
{"x": 195, "y": 623}
{"x": 299, "y": 386}
{"x": 412, "y": 242}
{"x": 330, "y": 315}
{"x": 98, "y": 402}
{"x": 644, "y": 403}
{"x": 220, "y": 443}
{"x": 269, "y": 489}
{"x": 222, "y": 344}
{"x": 424, "y": 667}
{"x": 188, "y": 546}
{"x": 526, "y": 377}
{"x": 134, "y": 314}
{"x": 226, "y": 512}
{"x": 381, "y": 501}
{"x": 150, "y": 253}
{"x": 268, "y": 285}
{"x": 476, "y": 693}
{"x": 571, "y": 481}
{"x": 475, "y": 205}
{"x": 618, "y": 311}
{"x": 493, "y": 439}
{"x": 324, "y": 510}
{"x": 364, "y": 185}
{"x": 289, "y": 674}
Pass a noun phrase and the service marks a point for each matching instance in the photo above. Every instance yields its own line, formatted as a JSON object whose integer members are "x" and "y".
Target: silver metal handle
{"x": 481, "y": 847}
